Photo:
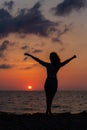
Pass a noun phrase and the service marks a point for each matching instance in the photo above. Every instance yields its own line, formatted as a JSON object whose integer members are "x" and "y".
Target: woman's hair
{"x": 55, "y": 60}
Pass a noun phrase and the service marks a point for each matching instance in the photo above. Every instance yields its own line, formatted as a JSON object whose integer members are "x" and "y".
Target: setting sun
{"x": 30, "y": 87}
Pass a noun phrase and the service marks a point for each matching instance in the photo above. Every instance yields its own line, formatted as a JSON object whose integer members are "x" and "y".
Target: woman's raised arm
{"x": 36, "y": 59}
{"x": 68, "y": 60}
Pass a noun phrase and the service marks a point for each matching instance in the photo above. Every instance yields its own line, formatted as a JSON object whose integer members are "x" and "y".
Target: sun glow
{"x": 30, "y": 87}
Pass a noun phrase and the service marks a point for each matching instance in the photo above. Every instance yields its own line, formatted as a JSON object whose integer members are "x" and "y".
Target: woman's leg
{"x": 48, "y": 104}
{"x": 50, "y": 90}
{"x": 49, "y": 99}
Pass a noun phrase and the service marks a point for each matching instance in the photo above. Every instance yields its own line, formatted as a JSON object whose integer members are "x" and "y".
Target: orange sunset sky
{"x": 40, "y": 27}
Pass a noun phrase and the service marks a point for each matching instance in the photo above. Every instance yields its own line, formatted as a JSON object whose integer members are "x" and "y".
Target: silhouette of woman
{"x": 51, "y": 82}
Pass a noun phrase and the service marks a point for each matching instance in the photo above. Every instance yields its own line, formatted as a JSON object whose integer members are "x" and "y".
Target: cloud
{"x": 3, "y": 47}
{"x": 24, "y": 47}
{"x": 25, "y": 58}
{"x": 27, "y": 21}
{"x": 67, "y": 6}
{"x": 5, "y": 66}
{"x": 62, "y": 30}
{"x": 57, "y": 40}
{"x": 37, "y": 51}
{"x": 4, "y": 15}
{"x": 5, "y": 22}
{"x": 29, "y": 67}
{"x": 9, "y": 5}
{"x": 62, "y": 49}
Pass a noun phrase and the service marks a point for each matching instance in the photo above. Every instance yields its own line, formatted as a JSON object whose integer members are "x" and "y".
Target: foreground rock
{"x": 39, "y": 121}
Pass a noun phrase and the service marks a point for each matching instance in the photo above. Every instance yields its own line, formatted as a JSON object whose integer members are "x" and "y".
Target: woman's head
{"x": 54, "y": 58}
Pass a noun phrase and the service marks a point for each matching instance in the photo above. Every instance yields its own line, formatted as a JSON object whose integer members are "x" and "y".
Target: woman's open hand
{"x": 27, "y": 54}
{"x": 74, "y": 56}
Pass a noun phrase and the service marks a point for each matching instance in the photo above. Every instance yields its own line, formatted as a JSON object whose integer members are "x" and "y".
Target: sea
{"x": 22, "y": 102}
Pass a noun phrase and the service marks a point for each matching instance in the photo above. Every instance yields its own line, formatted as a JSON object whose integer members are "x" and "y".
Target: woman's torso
{"x": 51, "y": 71}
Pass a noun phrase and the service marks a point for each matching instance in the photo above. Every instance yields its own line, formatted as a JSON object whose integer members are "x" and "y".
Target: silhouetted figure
{"x": 51, "y": 80}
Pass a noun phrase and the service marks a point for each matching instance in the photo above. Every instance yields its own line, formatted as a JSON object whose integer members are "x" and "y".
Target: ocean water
{"x": 21, "y": 102}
